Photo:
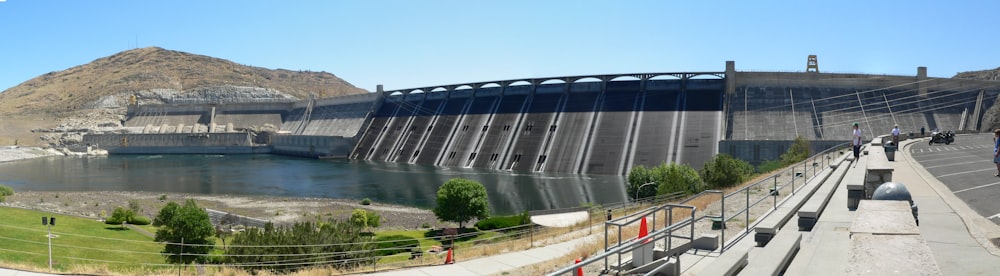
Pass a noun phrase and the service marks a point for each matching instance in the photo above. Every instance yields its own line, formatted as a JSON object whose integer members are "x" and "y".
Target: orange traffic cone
{"x": 579, "y": 270}
{"x": 643, "y": 231}
{"x": 448, "y": 259}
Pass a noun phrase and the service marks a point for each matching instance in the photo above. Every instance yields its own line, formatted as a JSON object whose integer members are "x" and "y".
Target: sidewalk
{"x": 495, "y": 264}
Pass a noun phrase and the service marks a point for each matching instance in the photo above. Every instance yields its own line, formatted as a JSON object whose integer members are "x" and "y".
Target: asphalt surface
{"x": 966, "y": 168}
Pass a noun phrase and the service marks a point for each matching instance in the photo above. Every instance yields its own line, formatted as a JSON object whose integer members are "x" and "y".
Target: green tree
{"x": 678, "y": 178}
{"x": 186, "y": 224}
{"x": 365, "y": 219}
{"x": 460, "y": 200}
{"x": 797, "y": 152}
{"x": 670, "y": 178}
{"x": 120, "y": 216}
{"x": 641, "y": 175}
{"x": 725, "y": 171}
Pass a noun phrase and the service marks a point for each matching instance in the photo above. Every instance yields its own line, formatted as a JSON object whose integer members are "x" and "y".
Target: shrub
{"x": 364, "y": 218}
{"x": 769, "y": 166}
{"x": 6, "y": 190}
{"x": 425, "y": 225}
{"x": 502, "y": 222}
{"x": 393, "y": 244}
{"x": 366, "y": 201}
{"x": 139, "y": 220}
{"x": 113, "y": 220}
{"x": 725, "y": 171}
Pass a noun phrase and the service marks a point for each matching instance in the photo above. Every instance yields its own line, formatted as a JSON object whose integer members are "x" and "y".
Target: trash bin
{"x": 890, "y": 150}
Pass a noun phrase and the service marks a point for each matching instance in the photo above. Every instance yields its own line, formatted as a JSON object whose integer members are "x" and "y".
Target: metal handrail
{"x": 662, "y": 233}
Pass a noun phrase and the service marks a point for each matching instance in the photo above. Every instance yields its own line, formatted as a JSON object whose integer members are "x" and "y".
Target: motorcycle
{"x": 946, "y": 138}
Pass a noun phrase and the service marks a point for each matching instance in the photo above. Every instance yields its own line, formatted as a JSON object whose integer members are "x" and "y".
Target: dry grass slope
{"x": 152, "y": 68}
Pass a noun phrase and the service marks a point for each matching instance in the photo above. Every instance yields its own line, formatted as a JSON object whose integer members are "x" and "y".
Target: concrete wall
{"x": 757, "y": 152}
{"x": 312, "y": 146}
{"x": 205, "y": 143}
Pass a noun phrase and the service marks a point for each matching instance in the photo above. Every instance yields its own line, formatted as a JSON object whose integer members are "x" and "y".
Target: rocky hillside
{"x": 993, "y": 74}
{"x": 153, "y": 72}
{"x": 991, "y": 118}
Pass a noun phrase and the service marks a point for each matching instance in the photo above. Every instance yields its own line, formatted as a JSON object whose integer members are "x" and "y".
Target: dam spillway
{"x": 597, "y": 124}
{"x": 580, "y": 126}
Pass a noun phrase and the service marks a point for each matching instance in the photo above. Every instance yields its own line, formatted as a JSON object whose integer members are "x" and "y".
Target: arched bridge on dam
{"x": 600, "y": 124}
{"x": 592, "y": 124}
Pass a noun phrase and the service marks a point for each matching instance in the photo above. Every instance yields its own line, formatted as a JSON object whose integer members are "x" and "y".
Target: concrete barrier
{"x": 854, "y": 181}
{"x": 728, "y": 263}
{"x": 886, "y": 228}
{"x": 878, "y": 170}
{"x": 776, "y": 256}
{"x": 769, "y": 226}
{"x": 813, "y": 208}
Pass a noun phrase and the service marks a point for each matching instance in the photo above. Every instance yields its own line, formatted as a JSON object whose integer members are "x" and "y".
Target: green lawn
{"x": 78, "y": 241}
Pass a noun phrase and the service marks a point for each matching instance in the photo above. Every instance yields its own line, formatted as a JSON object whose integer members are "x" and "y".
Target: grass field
{"x": 76, "y": 241}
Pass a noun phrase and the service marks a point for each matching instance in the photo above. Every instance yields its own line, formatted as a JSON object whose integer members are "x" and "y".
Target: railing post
{"x": 774, "y": 192}
{"x": 747, "y": 210}
{"x": 723, "y": 229}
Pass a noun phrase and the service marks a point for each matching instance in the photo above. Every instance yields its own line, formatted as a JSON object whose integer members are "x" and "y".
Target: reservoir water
{"x": 273, "y": 175}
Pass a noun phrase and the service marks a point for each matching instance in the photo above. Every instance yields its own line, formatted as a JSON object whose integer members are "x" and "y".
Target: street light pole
{"x": 49, "y": 222}
{"x": 639, "y": 189}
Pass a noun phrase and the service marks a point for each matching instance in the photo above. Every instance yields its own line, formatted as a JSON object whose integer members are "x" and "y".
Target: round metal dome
{"x": 892, "y": 191}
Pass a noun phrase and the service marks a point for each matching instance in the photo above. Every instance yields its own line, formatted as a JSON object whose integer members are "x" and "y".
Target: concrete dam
{"x": 596, "y": 124}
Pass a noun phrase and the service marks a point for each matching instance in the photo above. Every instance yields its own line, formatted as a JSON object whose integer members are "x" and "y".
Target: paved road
{"x": 966, "y": 168}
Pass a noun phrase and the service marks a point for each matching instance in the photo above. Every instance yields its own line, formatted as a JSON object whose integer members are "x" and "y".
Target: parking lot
{"x": 966, "y": 168}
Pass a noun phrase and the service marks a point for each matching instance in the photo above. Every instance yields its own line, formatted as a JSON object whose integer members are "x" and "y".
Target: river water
{"x": 274, "y": 175}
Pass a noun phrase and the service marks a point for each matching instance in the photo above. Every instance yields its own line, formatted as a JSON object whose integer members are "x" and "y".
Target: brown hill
{"x": 58, "y": 93}
{"x": 993, "y": 74}
{"x": 991, "y": 118}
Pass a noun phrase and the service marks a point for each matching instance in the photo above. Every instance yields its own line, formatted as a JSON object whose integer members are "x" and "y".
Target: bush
{"x": 393, "y": 244}
{"x": 797, "y": 152}
{"x": 769, "y": 166}
{"x": 366, "y": 201}
{"x": 425, "y": 225}
{"x": 670, "y": 178}
{"x": 5, "y": 190}
{"x": 502, "y": 222}
{"x": 725, "y": 171}
{"x": 113, "y": 220}
{"x": 140, "y": 220}
{"x": 364, "y": 218}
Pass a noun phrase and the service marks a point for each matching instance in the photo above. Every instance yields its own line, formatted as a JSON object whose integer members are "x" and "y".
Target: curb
{"x": 980, "y": 228}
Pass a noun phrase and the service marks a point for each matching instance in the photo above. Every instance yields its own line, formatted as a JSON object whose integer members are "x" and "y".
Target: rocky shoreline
{"x": 282, "y": 210}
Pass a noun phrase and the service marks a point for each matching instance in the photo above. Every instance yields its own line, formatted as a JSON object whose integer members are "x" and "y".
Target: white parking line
{"x": 993, "y": 216}
{"x": 977, "y": 187}
{"x": 965, "y": 172}
{"x": 954, "y": 164}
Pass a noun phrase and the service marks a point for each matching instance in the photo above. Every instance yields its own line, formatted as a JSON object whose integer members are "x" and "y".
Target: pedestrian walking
{"x": 856, "y": 141}
{"x": 996, "y": 150}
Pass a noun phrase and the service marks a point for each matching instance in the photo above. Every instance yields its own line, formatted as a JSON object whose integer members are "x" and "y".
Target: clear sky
{"x": 409, "y": 44}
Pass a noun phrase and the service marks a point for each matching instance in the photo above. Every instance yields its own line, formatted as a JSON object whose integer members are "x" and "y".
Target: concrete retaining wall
{"x": 312, "y": 146}
{"x": 198, "y": 143}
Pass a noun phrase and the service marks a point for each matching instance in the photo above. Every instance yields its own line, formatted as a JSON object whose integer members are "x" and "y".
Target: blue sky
{"x": 407, "y": 44}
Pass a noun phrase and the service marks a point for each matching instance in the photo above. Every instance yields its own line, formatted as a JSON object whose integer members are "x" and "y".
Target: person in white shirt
{"x": 856, "y": 141}
{"x": 895, "y": 135}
